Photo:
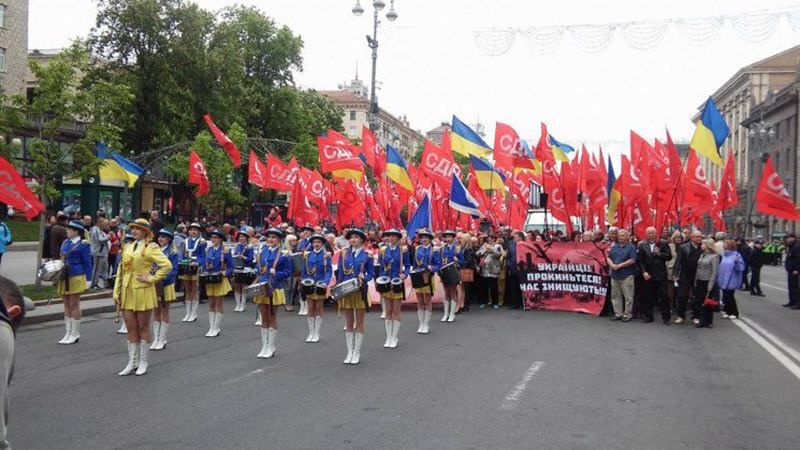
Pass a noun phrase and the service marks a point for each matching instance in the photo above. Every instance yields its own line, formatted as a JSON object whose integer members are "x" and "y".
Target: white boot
{"x": 188, "y": 308}
{"x": 162, "y": 337}
{"x": 243, "y": 302}
{"x": 143, "y": 352}
{"x": 75, "y": 332}
{"x": 446, "y": 306}
{"x": 348, "y": 339}
{"x": 235, "y": 301}
{"x": 122, "y": 328}
{"x": 310, "y": 320}
{"x": 271, "y": 346}
{"x": 218, "y": 324}
{"x": 426, "y": 321}
{"x": 357, "y": 348}
{"x": 68, "y": 330}
{"x": 453, "y": 309}
{"x": 388, "y": 325}
{"x": 303, "y": 308}
{"x": 193, "y": 314}
{"x": 383, "y": 308}
{"x": 395, "y": 333}
{"x": 133, "y": 359}
{"x": 421, "y": 318}
{"x": 212, "y": 317}
{"x": 317, "y": 326}
{"x": 156, "y": 333}
{"x": 264, "y": 343}
{"x": 258, "y": 318}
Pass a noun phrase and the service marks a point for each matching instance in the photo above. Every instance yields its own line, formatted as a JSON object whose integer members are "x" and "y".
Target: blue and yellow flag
{"x": 560, "y": 149}
{"x": 486, "y": 175}
{"x": 711, "y": 132}
{"x": 614, "y": 195}
{"x": 397, "y": 170}
{"x": 465, "y": 141}
{"x": 115, "y": 167}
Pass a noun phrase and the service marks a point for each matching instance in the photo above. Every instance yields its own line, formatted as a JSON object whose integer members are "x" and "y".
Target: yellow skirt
{"x": 143, "y": 299}
{"x": 352, "y": 301}
{"x": 169, "y": 293}
{"x": 393, "y": 296}
{"x": 278, "y": 298}
{"x": 188, "y": 277}
{"x": 315, "y": 297}
{"x": 220, "y": 289}
{"x": 77, "y": 285}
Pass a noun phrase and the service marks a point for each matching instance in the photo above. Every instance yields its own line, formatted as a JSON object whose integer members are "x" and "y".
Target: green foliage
{"x": 23, "y": 230}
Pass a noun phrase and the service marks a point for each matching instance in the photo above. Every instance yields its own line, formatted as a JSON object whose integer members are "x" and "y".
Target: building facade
{"x": 393, "y": 130}
{"x": 13, "y": 46}
{"x": 437, "y": 134}
{"x": 736, "y": 100}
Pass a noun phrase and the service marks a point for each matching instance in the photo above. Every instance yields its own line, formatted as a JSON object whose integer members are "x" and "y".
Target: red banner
{"x": 14, "y": 191}
{"x": 198, "y": 174}
{"x": 563, "y": 276}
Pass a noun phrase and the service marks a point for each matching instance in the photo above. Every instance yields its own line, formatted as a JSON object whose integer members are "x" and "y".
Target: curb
{"x": 27, "y": 246}
{"x": 105, "y": 293}
{"x": 59, "y": 315}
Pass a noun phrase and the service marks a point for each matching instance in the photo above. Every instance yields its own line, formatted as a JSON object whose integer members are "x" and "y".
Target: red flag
{"x": 350, "y": 209}
{"x": 728, "y": 197}
{"x": 508, "y": 150}
{"x": 14, "y": 191}
{"x": 631, "y": 184}
{"x": 641, "y": 218}
{"x": 279, "y": 176}
{"x": 438, "y": 164}
{"x": 335, "y": 153}
{"x": 369, "y": 146}
{"x": 300, "y": 210}
{"x": 198, "y": 174}
{"x": 696, "y": 192}
{"x": 543, "y": 151}
{"x": 716, "y": 211}
{"x": 256, "y": 171}
{"x": 771, "y": 195}
{"x": 641, "y": 155}
{"x": 222, "y": 139}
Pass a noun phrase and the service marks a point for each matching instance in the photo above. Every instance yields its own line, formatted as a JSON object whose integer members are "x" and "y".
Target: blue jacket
{"x": 198, "y": 248}
{"x": 214, "y": 257}
{"x": 283, "y": 269}
{"x": 247, "y": 251}
{"x": 730, "y": 271}
{"x": 78, "y": 257}
{"x": 351, "y": 266}
{"x": 424, "y": 257}
{"x": 389, "y": 262}
{"x": 304, "y": 245}
{"x": 5, "y": 237}
{"x": 318, "y": 266}
{"x": 172, "y": 254}
{"x": 451, "y": 253}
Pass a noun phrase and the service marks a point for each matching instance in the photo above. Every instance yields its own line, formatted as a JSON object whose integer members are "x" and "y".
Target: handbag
{"x": 467, "y": 275}
{"x": 711, "y": 302}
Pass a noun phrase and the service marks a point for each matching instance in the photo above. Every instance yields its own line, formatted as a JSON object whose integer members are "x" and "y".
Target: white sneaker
{"x": 724, "y": 316}
{"x": 695, "y": 321}
{"x": 733, "y": 317}
{"x": 678, "y": 320}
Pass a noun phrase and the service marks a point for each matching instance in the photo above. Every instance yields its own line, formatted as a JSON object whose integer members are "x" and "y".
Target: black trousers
{"x": 655, "y": 294}
{"x": 469, "y": 288}
{"x": 700, "y": 293}
{"x": 793, "y": 282}
{"x": 513, "y": 291}
{"x": 755, "y": 280}
{"x": 487, "y": 290}
{"x": 684, "y": 291}
{"x": 728, "y": 298}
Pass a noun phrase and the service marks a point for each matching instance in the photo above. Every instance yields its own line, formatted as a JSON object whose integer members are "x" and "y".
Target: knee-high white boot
{"x": 235, "y": 301}
{"x": 421, "y": 318}
{"x": 188, "y": 307}
{"x": 383, "y": 308}
{"x": 317, "y": 326}
{"x": 388, "y": 324}
{"x": 155, "y": 332}
{"x": 75, "y": 332}
{"x": 426, "y": 320}
{"x": 395, "y": 334}
{"x": 446, "y": 307}
{"x": 193, "y": 315}
{"x": 310, "y": 320}
{"x": 357, "y": 348}
{"x": 162, "y": 337}
{"x": 273, "y": 332}
{"x": 68, "y": 330}
{"x": 303, "y": 307}
{"x": 453, "y": 309}
{"x": 143, "y": 352}
{"x": 258, "y": 318}
{"x": 218, "y": 324}
{"x": 211, "y": 320}
{"x": 348, "y": 339}
{"x": 264, "y": 343}
{"x": 133, "y": 359}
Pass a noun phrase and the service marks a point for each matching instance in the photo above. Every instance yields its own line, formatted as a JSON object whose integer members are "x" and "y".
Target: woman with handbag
{"x": 274, "y": 267}
{"x": 393, "y": 262}
{"x": 424, "y": 263}
{"x": 354, "y": 263}
{"x": 77, "y": 256}
{"x": 729, "y": 278}
{"x": 165, "y": 291}
{"x": 490, "y": 263}
{"x": 218, "y": 268}
{"x": 706, "y": 276}
{"x": 318, "y": 268}
{"x": 135, "y": 292}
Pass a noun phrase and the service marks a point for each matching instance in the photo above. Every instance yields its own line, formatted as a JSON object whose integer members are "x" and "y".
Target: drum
{"x": 398, "y": 286}
{"x": 383, "y": 284}
{"x": 320, "y": 288}
{"x": 345, "y": 288}
{"x": 238, "y": 263}
{"x": 254, "y": 289}
{"x": 187, "y": 268}
{"x": 244, "y": 276}
{"x": 212, "y": 278}
{"x": 307, "y": 286}
{"x": 420, "y": 279}
{"x": 298, "y": 262}
{"x": 51, "y": 270}
{"x": 450, "y": 275}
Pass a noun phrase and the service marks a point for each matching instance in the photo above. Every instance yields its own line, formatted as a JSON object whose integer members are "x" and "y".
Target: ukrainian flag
{"x": 711, "y": 132}
{"x": 486, "y": 175}
{"x": 396, "y": 169}
{"x": 115, "y": 167}
{"x": 560, "y": 149}
{"x": 465, "y": 141}
{"x": 614, "y": 195}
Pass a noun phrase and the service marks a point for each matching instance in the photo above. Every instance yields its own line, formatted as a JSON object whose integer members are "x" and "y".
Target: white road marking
{"x": 511, "y": 400}
{"x": 775, "y": 340}
{"x": 247, "y": 375}
{"x": 774, "y": 287}
{"x": 771, "y": 349}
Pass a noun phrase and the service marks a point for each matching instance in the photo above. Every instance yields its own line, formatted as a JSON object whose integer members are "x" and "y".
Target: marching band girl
{"x": 355, "y": 263}
{"x": 393, "y": 262}
{"x": 273, "y": 268}
{"x": 77, "y": 255}
{"x": 217, "y": 261}
{"x": 195, "y": 254}
{"x": 426, "y": 261}
{"x": 245, "y": 253}
{"x": 304, "y": 245}
{"x": 450, "y": 252}
{"x": 136, "y": 293}
{"x": 161, "y": 311}
{"x": 318, "y": 268}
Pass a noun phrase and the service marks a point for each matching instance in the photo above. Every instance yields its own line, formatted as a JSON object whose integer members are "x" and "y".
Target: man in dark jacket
{"x": 652, "y": 258}
{"x": 756, "y": 261}
{"x": 685, "y": 270}
{"x": 792, "y": 265}
{"x": 58, "y": 234}
{"x": 513, "y": 292}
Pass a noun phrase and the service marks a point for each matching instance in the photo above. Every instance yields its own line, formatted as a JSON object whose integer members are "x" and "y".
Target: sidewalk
{"x": 91, "y": 304}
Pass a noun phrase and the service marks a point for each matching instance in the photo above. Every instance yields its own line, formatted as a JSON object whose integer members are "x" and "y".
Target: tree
{"x": 62, "y": 97}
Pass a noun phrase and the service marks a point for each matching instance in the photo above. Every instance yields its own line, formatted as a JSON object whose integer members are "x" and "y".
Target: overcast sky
{"x": 429, "y": 66}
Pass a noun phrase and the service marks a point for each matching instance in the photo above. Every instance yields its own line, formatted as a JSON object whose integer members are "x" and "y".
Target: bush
{"x": 23, "y": 230}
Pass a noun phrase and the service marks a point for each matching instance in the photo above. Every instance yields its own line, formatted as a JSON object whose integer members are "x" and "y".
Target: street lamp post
{"x": 372, "y": 42}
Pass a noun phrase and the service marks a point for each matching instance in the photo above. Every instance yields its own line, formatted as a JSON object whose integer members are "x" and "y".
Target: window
{"x": 352, "y": 115}
{"x": 2, "y": 15}
{"x": 2, "y": 59}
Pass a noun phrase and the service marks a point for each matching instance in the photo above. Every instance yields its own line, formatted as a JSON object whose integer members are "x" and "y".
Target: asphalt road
{"x": 493, "y": 379}
{"x": 19, "y": 266}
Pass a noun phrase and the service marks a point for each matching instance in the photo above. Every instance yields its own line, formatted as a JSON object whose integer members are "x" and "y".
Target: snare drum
{"x": 51, "y": 270}
{"x": 238, "y": 263}
{"x": 398, "y": 286}
{"x": 345, "y": 288}
{"x": 420, "y": 279}
{"x": 187, "y": 268}
{"x": 321, "y": 289}
{"x": 383, "y": 284}
{"x": 307, "y": 286}
{"x": 212, "y": 278}
{"x": 450, "y": 275}
{"x": 244, "y": 276}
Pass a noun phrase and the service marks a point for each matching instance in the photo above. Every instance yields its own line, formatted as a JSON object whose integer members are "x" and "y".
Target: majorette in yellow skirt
{"x": 139, "y": 299}
{"x": 77, "y": 285}
{"x": 393, "y": 295}
{"x": 220, "y": 289}
{"x": 169, "y": 293}
{"x": 352, "y": 301}
{"x": 278, "y": 298}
